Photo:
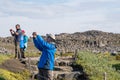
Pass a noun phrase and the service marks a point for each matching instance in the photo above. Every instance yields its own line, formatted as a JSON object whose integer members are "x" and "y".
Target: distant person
{"x": 23, "y": 44}
{"x": 17, "y": 36}
{"x": 25, "y": 39}
{"x": 48, "y": 48}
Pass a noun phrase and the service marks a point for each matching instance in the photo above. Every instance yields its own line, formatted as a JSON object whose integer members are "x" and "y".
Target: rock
{"x": 63, "y": 68}
{"x": 114, "y": 53}
{"x": 4, "y": 50}
{"x": 89, "y": 40}
{"x": 69, "y": 76}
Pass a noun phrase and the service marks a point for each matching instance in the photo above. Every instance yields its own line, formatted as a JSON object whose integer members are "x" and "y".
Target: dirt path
{"x": 13, "y": 65}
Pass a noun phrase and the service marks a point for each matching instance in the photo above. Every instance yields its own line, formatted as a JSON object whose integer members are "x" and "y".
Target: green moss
{"x": 64, "y": 54}
{"x": 3, "y": 58}
{"x": 95, "y": 65}
{"x": 7, "y": 75}
{"x": 32, "y": 54}
{"x": 1, "y": 78}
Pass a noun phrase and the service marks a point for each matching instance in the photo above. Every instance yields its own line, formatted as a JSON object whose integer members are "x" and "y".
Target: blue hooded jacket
{"x": 23, "y": 42}
{"x": 48, "y": 51}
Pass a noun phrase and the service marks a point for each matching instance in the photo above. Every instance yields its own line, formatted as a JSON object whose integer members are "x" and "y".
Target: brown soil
{"x": 13, "y": 65}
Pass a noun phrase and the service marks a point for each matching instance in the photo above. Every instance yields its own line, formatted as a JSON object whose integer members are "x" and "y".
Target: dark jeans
{"x": 45, "y": 74}
{"x": 22, "y": 53}
{"x": 19, "y": 52}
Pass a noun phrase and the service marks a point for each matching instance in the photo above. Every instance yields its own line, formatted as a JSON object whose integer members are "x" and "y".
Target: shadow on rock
{"x": 76, "y": 74}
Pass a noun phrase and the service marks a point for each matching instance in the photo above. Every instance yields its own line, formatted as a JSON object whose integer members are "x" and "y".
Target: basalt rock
{"x": 89, "y": 40}
{"x": 94, "y": 40}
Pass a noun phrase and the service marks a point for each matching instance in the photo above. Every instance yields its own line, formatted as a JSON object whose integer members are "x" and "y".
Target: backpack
{"x": 25, "y": 39}
{"x": 25, "y": 42}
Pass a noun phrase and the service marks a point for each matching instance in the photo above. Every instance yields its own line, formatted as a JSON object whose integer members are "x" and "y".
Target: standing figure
{"x": 17, "y": 37}
{"x": 48, "y": 49}
{"x": 23, "y": 44}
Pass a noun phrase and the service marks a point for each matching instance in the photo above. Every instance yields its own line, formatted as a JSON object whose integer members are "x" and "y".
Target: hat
{"x": 23, "y": 31}
{"x": 51, "y": 36}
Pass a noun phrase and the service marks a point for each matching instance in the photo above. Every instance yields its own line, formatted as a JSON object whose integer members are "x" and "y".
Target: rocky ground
{"x": 89, "y": 40}
{"x": 64, "y": 68}
{"x": 96, "y": 41}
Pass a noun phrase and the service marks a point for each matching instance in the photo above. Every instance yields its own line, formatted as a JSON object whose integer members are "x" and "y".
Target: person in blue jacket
{"x": 48, "y": 49}
{"x": 23, "y": 44}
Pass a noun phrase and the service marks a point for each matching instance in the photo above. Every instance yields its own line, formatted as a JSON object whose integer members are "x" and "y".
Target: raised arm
{"x": 12, "y": 32}
{"x": 44, "y": 44}
{"x": 36, "y": 43}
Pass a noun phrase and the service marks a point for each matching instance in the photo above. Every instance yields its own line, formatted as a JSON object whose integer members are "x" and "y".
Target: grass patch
{"x": 3, "y": 58}
{"x": 32, "y": 54}
{"x": 64, "y": 54}
{"x": 95, "y": 65}
{"x": 7, "y": 75}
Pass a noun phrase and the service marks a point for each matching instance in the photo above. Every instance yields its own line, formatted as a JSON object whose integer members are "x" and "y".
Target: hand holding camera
{"x": 11, "y": 30}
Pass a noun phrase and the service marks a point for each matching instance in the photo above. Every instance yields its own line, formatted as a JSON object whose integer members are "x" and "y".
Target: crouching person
{"x": 48, "y": 49}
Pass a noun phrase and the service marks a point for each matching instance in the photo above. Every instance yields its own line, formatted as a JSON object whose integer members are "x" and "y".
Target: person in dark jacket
{"x": 48, "y": 49}
{"x": 17, "y": 37}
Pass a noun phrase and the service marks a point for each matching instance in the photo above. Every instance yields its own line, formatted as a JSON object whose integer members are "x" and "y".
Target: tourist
{"x": 17, "y": 36}
{"x": 23, "y": 44}
{"x": 48, "y": 49}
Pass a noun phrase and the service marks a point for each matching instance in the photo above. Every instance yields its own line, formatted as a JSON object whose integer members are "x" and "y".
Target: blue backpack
{"x": 25, "y": 42}
{"x": 25, "y": 39}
